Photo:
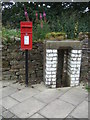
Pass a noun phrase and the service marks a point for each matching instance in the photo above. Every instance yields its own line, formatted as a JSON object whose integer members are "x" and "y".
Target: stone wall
{"x": 85, "y": 69}
{"x": 13, "y": 62}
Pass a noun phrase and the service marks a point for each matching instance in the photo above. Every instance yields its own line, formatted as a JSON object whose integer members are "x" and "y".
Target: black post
{"x": 26, "y": 64}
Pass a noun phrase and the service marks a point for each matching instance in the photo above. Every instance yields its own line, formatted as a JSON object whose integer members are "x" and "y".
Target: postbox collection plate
{"x": 26, "y": 35}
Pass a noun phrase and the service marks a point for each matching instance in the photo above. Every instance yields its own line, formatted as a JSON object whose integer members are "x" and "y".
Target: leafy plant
{"x": 7, "y": 33}
{"x": 40, "y": 33}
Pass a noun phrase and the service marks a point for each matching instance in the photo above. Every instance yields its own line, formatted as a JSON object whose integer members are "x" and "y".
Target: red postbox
{"x": 26, "y": 35}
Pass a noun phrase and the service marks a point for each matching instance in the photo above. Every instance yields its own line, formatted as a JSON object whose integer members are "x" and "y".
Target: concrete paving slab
{"x": 6, "y": 83}
{"x": 27, "y": 108}
{"x": 0, "y": 117}
{"x": 1, "y": 102}
{"x": 0, "y": 110}
{"x": 69, "y": 116}
{"x": 57, "y": 109}
{"x": 41, "y": 87}
{"x": 49, "y": 95}
{"x": 24, "y": 94}
{"x": 3, "y": 109}
{"x": 81, "y": 110}
{"x": 8, "y": 102}
{"x": 14, "y": 116}
{"x": 64, "y": 89}
{"x": 87, "y": 99}
{"x": 7, "y": 114}
{"x": 37, "y": 115}
{"x": 17, "y": 86}
{"x": 8, "y": 91}
{"x": 0, "y": 84}
{"x": 74, "y": 96}
{"x": 68, "y": 99}
{"x": 1, "y": 93}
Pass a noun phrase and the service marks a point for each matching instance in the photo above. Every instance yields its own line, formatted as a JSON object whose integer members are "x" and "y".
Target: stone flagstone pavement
{"x": 18, "y": 101}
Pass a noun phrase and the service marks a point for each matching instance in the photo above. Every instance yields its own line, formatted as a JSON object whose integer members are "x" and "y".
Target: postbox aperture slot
{"x": 26, "y": 29}
{"x": 26, "y": 26}
{"x": 25, "y": 32}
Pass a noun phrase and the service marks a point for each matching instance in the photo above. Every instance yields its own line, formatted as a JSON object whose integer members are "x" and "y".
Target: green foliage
{"x": 61, "y": 17}
{"x": 7, "y": 33}
{"x": 7, "y": 41}
{"x": 87, "y": 88}
{"x": 40, "y": 33}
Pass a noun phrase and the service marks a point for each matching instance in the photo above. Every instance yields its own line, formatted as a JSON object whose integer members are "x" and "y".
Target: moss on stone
{"x": 56, "y": 35}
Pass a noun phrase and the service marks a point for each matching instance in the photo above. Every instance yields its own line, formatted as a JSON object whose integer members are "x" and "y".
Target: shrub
{"x": 7, "y": 33}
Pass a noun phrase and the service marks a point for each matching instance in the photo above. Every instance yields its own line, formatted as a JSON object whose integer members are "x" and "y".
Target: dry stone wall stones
{"x": 13, "y": 59}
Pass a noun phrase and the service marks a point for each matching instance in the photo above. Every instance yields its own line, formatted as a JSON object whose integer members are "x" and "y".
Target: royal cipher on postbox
{"x": 26, "y": 35}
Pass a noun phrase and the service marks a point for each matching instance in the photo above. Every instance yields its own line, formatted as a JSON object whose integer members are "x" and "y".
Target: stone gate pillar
{"x": 51, "y": 67}
{"x": 74, "y": 63}
{"x": 51, "y": 61}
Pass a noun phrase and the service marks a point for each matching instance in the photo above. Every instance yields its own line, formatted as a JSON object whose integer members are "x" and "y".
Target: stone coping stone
{"x": 55, "y": 44}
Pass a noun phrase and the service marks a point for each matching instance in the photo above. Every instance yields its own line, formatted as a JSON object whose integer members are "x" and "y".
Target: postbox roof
{"x": 26, "y": 23}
